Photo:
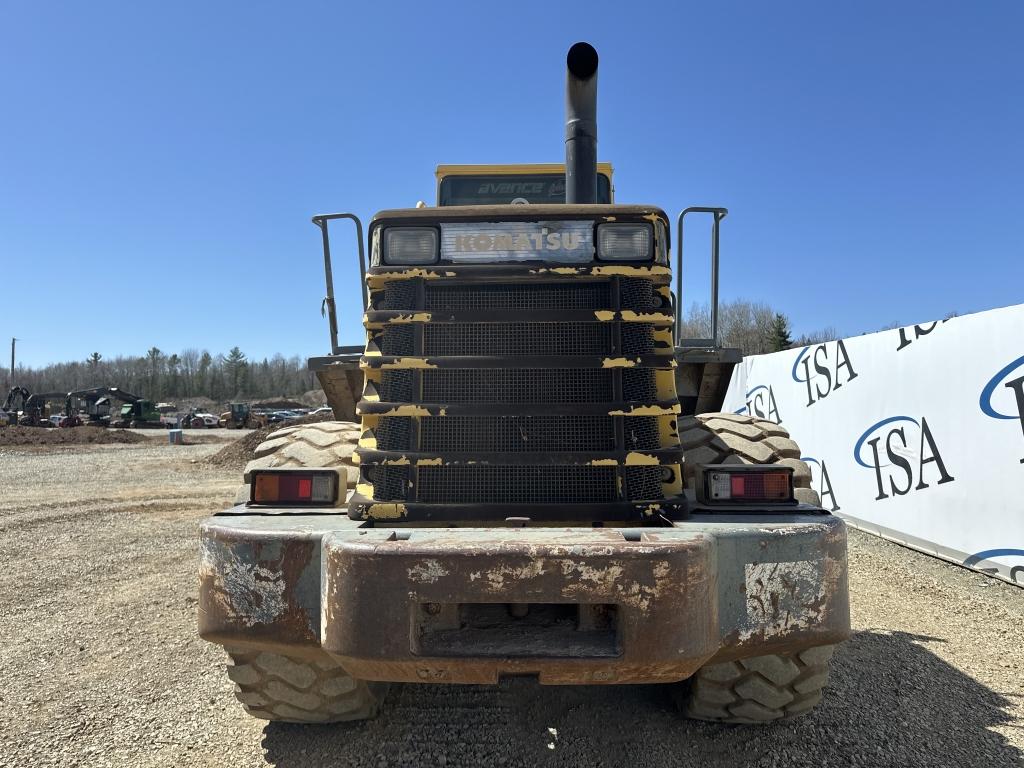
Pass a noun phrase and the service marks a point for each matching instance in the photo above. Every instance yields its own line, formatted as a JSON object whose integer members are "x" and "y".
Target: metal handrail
{"x": 719, "y": 214}
{"x": 328, "y": 303}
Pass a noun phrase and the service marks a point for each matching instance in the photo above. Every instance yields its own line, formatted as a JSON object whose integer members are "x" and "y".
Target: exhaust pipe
{"x": 581, "y": 124}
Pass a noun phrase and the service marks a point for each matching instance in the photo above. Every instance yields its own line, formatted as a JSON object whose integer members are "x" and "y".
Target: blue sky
{"x": 159, "y": 162}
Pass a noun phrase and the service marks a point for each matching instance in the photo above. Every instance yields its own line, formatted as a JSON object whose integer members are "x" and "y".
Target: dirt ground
{"x": 21, "y": 436}
{"x": 100, "y": 664}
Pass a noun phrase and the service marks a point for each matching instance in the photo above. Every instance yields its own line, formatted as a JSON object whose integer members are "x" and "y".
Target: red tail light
{"x": 313, "y": 487}
{"x": 747, "y": 484}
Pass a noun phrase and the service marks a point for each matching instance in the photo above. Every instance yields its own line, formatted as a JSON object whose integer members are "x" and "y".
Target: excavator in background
{"x": 22, "y": 408}
{"x": 95, "y": 405}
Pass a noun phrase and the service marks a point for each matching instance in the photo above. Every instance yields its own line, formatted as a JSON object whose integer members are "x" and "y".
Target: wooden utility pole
{"x": 11, "y": 382}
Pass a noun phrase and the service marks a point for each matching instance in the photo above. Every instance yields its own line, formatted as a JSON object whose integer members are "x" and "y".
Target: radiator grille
{"x": 596, "y": 295}
{"x": 641, "y": 432}
{"x": 517, "y": 434}
{"x": 637, "y": 338}
{"x": 394, "y": 433}
{"x": 396, "y": 386}
{"x": 638, "y": 294}
{"x": 517, "y": 385}
{"x": 639, "y": 384}
{"x": 399, "y": 294}
{"x": 517, "y": 339}
{"x": 398, "y": 339}
{"x": 516, "y": 484}
{"x": 643, "y": 483}
{"x": 446, "y": 436}
{"x": 389, "y": 483}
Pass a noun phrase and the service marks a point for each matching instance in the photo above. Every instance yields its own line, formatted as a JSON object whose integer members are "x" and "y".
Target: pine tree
{"x": 154, "y": 359}
{"x": 778, "y": 338}
{"x": 235, "y": 371}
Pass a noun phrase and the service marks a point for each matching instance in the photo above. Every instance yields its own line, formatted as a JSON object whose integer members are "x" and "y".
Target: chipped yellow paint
{"x": 653, "y": 217}
{"x": 409, "y": 410}
{"x": 386, "y": 511}
{"x": 635, "y": 459}
{"x": 630, "y": 271}
{"x": 401, "y": 461}
{"x": 668, "y": 435}
{"x": 364, "y": 489}
{"x": 368, "y": 442}
{"x": 603, "y": 463}
{"x": 646, "y": 410}
{"x": 619, "y": 362}
{"x": 644, "y": 317}
{"x": 408, "y": 362}
{"x": 610, "y": 218}
{"x": 435, "y": 462}
{"x": 405, "y": 274}
{"x": 604, "y": 315}
{"x": 416, "y": 317}
{"x": 651, "y": 510}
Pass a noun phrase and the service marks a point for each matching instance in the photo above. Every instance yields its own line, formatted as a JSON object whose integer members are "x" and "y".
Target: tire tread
{"x": 759, "y": 689}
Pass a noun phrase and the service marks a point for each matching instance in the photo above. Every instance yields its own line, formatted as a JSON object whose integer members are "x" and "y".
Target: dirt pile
{"x": 240, "y": 452}
{"x": 72, "y": 436}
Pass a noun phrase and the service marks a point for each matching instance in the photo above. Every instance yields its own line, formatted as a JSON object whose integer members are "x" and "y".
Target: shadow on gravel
{"x": 892, "y": 702}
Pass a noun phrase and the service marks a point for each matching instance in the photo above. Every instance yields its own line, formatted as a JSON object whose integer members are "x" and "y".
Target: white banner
{"x": 915, "y": 434}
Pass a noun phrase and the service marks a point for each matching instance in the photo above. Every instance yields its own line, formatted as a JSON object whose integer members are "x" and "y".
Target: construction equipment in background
{"x": 12, "y": 405}
{"x": 24, "y": 409}
{"x": 242, "y": 416}
{"x": 93, "y": 405}
{"x": 136, "y": 412}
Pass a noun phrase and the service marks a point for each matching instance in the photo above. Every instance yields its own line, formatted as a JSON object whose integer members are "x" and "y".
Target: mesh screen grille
{"x": 516, "y": 484}
{"x": 517, "y": 385}
{"x": 644, "y": 483}
{"x": 393, "y": 433}
{"x": 639, "y": 384}
{"x": 520, "y": 296}
{"x": 641, "y": 432}
{"x": 517, "y": 434}
{"x": 638, "y": 294}
{"x": 399, "y": 294}
{"x": 397, "y": 339}
{"x": 396, "y": 386}
{"x": 517, "y": 338}
{"x": 637, "y": 338}
{"x": 389, "y": 483}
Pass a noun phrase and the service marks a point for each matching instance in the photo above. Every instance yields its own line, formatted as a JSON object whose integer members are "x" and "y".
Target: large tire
{"x": 323, "y": 444}
{"x": 731, "y": 438}
{"x": 275, "y": 687}
{"x": 757, "y": 690}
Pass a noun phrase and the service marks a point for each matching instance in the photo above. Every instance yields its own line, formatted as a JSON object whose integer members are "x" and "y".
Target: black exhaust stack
{"x": 581, "y": 124}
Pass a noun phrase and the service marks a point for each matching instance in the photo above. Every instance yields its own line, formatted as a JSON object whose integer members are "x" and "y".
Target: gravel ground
{"x": 101, "y": 665}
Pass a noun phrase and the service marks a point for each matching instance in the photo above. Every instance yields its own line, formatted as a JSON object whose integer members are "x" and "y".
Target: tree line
{"x": 191, "y": 373}
{"x": 754, "y": 327}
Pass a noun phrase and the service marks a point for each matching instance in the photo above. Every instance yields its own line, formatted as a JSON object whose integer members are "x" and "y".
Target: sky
{"x": 159, "y": 162}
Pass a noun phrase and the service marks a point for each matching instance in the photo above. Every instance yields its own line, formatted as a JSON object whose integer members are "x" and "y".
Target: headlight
{"x": 410, "y": 245}
{"x": 625, "y": 242}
